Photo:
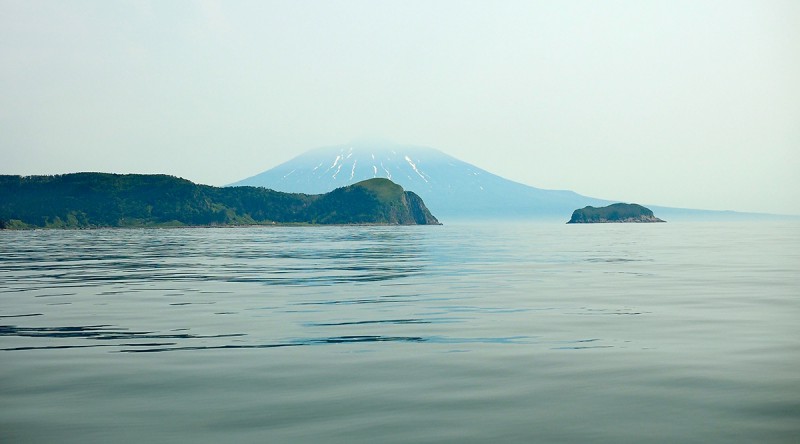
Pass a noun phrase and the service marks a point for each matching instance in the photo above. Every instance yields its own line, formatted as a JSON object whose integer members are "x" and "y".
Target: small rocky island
{"x": 618, "y": 212}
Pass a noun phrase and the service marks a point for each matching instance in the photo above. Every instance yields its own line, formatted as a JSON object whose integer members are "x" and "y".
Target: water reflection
{"x": 381, "y": 321}
{"x": 269, "y": 256}
{"x": 97, "y": 332}
{"x": 100, "y": 335}
{"x": 322, "y": 286}
{"x": 348, "y": 339}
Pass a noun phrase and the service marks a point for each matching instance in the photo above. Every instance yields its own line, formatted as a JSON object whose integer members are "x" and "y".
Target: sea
{"x": 685, "y": 332}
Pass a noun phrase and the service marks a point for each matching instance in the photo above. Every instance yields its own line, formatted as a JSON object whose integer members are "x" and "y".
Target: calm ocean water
{"x": 677, "y": 332}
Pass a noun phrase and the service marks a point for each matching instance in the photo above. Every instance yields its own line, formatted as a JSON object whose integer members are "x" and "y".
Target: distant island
{"x": 618, "y": 212}
{"x": 91, "y": 200}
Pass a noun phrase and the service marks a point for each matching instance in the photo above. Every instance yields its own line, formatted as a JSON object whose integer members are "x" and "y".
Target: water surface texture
{"x": 460, "y": 333}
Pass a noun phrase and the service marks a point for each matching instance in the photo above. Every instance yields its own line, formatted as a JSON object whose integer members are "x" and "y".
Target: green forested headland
{"x": 87, "y": 200}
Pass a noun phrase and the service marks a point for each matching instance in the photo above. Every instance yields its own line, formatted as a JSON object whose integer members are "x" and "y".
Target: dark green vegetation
{"x": 618, "y": 212}
{"x": 86, "y": 200}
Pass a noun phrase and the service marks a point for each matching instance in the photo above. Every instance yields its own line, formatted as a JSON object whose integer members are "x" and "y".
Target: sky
{"x": 692, "y": 104}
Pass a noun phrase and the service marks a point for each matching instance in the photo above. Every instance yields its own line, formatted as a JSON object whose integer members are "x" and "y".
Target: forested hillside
{"x": 84, "y": 200}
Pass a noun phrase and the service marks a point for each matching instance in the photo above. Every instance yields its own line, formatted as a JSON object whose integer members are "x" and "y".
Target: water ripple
{"x": 98, "y": 332}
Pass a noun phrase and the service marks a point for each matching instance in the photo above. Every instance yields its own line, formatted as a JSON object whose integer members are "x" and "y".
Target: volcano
{"x": 451, "y": 188}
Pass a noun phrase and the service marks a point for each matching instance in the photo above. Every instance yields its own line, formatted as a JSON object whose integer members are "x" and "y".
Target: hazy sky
{"x": 677, "y": 103}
